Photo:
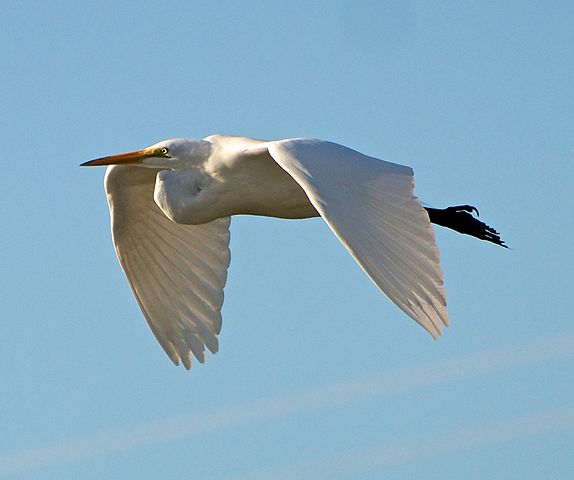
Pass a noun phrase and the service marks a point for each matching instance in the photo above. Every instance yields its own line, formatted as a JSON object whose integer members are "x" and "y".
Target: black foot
{"x": 460, "y": 219}
{"x": 463, "y": 208}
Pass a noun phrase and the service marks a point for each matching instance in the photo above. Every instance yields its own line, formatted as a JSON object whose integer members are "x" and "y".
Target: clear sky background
{"x": 318, "y": 376}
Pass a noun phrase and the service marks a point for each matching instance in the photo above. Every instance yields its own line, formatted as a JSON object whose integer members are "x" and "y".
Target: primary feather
{"x": 177, "y": 272}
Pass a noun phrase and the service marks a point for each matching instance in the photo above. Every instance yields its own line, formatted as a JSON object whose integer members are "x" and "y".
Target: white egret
{"x": 171, "y": 205}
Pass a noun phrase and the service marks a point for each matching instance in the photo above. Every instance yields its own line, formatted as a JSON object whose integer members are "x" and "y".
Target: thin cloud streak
{"x": 376, "y": 459}
{"x": 218, "y": 419}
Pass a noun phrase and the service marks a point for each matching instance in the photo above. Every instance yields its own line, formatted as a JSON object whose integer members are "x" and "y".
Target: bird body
{"x": 171, "y": 205}
{"x": 236, "y": 176}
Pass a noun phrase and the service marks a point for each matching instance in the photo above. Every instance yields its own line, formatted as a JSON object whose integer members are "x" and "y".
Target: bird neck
{"x": 190, "y": 153}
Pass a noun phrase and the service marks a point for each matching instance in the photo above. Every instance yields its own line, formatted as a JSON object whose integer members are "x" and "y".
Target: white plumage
{"x": 171, "y": 207}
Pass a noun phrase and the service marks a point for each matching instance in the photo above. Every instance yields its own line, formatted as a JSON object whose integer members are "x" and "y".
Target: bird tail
{"x": 460, "y": 219}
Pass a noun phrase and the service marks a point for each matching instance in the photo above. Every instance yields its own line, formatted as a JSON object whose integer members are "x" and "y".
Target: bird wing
{"x": 370, "y": 206}
{"x": 177, "y": 272}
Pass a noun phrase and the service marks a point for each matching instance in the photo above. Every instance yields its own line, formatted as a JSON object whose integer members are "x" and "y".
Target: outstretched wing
{"x": 369, "y": 204}
{"x": 177, "y": 272}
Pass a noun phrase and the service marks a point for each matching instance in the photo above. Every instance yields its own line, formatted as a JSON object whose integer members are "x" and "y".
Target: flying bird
{"x": 171, "y": 206}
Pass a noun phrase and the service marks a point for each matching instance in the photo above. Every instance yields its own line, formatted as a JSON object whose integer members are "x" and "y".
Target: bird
{"x": 171, "y": 205}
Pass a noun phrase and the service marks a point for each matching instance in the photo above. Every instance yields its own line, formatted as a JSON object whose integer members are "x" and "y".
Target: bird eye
{"x": 164, "y": 151}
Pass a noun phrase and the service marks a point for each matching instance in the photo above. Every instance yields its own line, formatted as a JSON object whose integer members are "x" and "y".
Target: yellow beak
{"x": 123, "y": 158}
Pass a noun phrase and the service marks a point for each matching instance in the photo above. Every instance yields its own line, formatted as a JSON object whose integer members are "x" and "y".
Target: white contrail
{"x": 375, "y": 459}
{"x": 388, "y": 383}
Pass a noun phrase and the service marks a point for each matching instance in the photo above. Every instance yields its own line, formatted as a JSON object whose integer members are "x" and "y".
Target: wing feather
{"x": 176, "y": 272}
{"x": 370, "y": 206}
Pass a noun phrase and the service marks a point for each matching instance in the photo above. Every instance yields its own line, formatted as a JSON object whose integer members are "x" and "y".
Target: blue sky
{"x": 318, "y": 375}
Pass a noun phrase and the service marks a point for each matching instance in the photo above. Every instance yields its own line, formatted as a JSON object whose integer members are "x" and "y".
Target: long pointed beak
{"x": 121, "y": 159}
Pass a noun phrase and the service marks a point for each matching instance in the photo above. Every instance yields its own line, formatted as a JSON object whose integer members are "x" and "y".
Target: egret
{"x": 171, "y": 203}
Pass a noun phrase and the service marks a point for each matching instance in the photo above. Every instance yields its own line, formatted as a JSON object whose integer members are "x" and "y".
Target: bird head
{"x": 171, "y": 154}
